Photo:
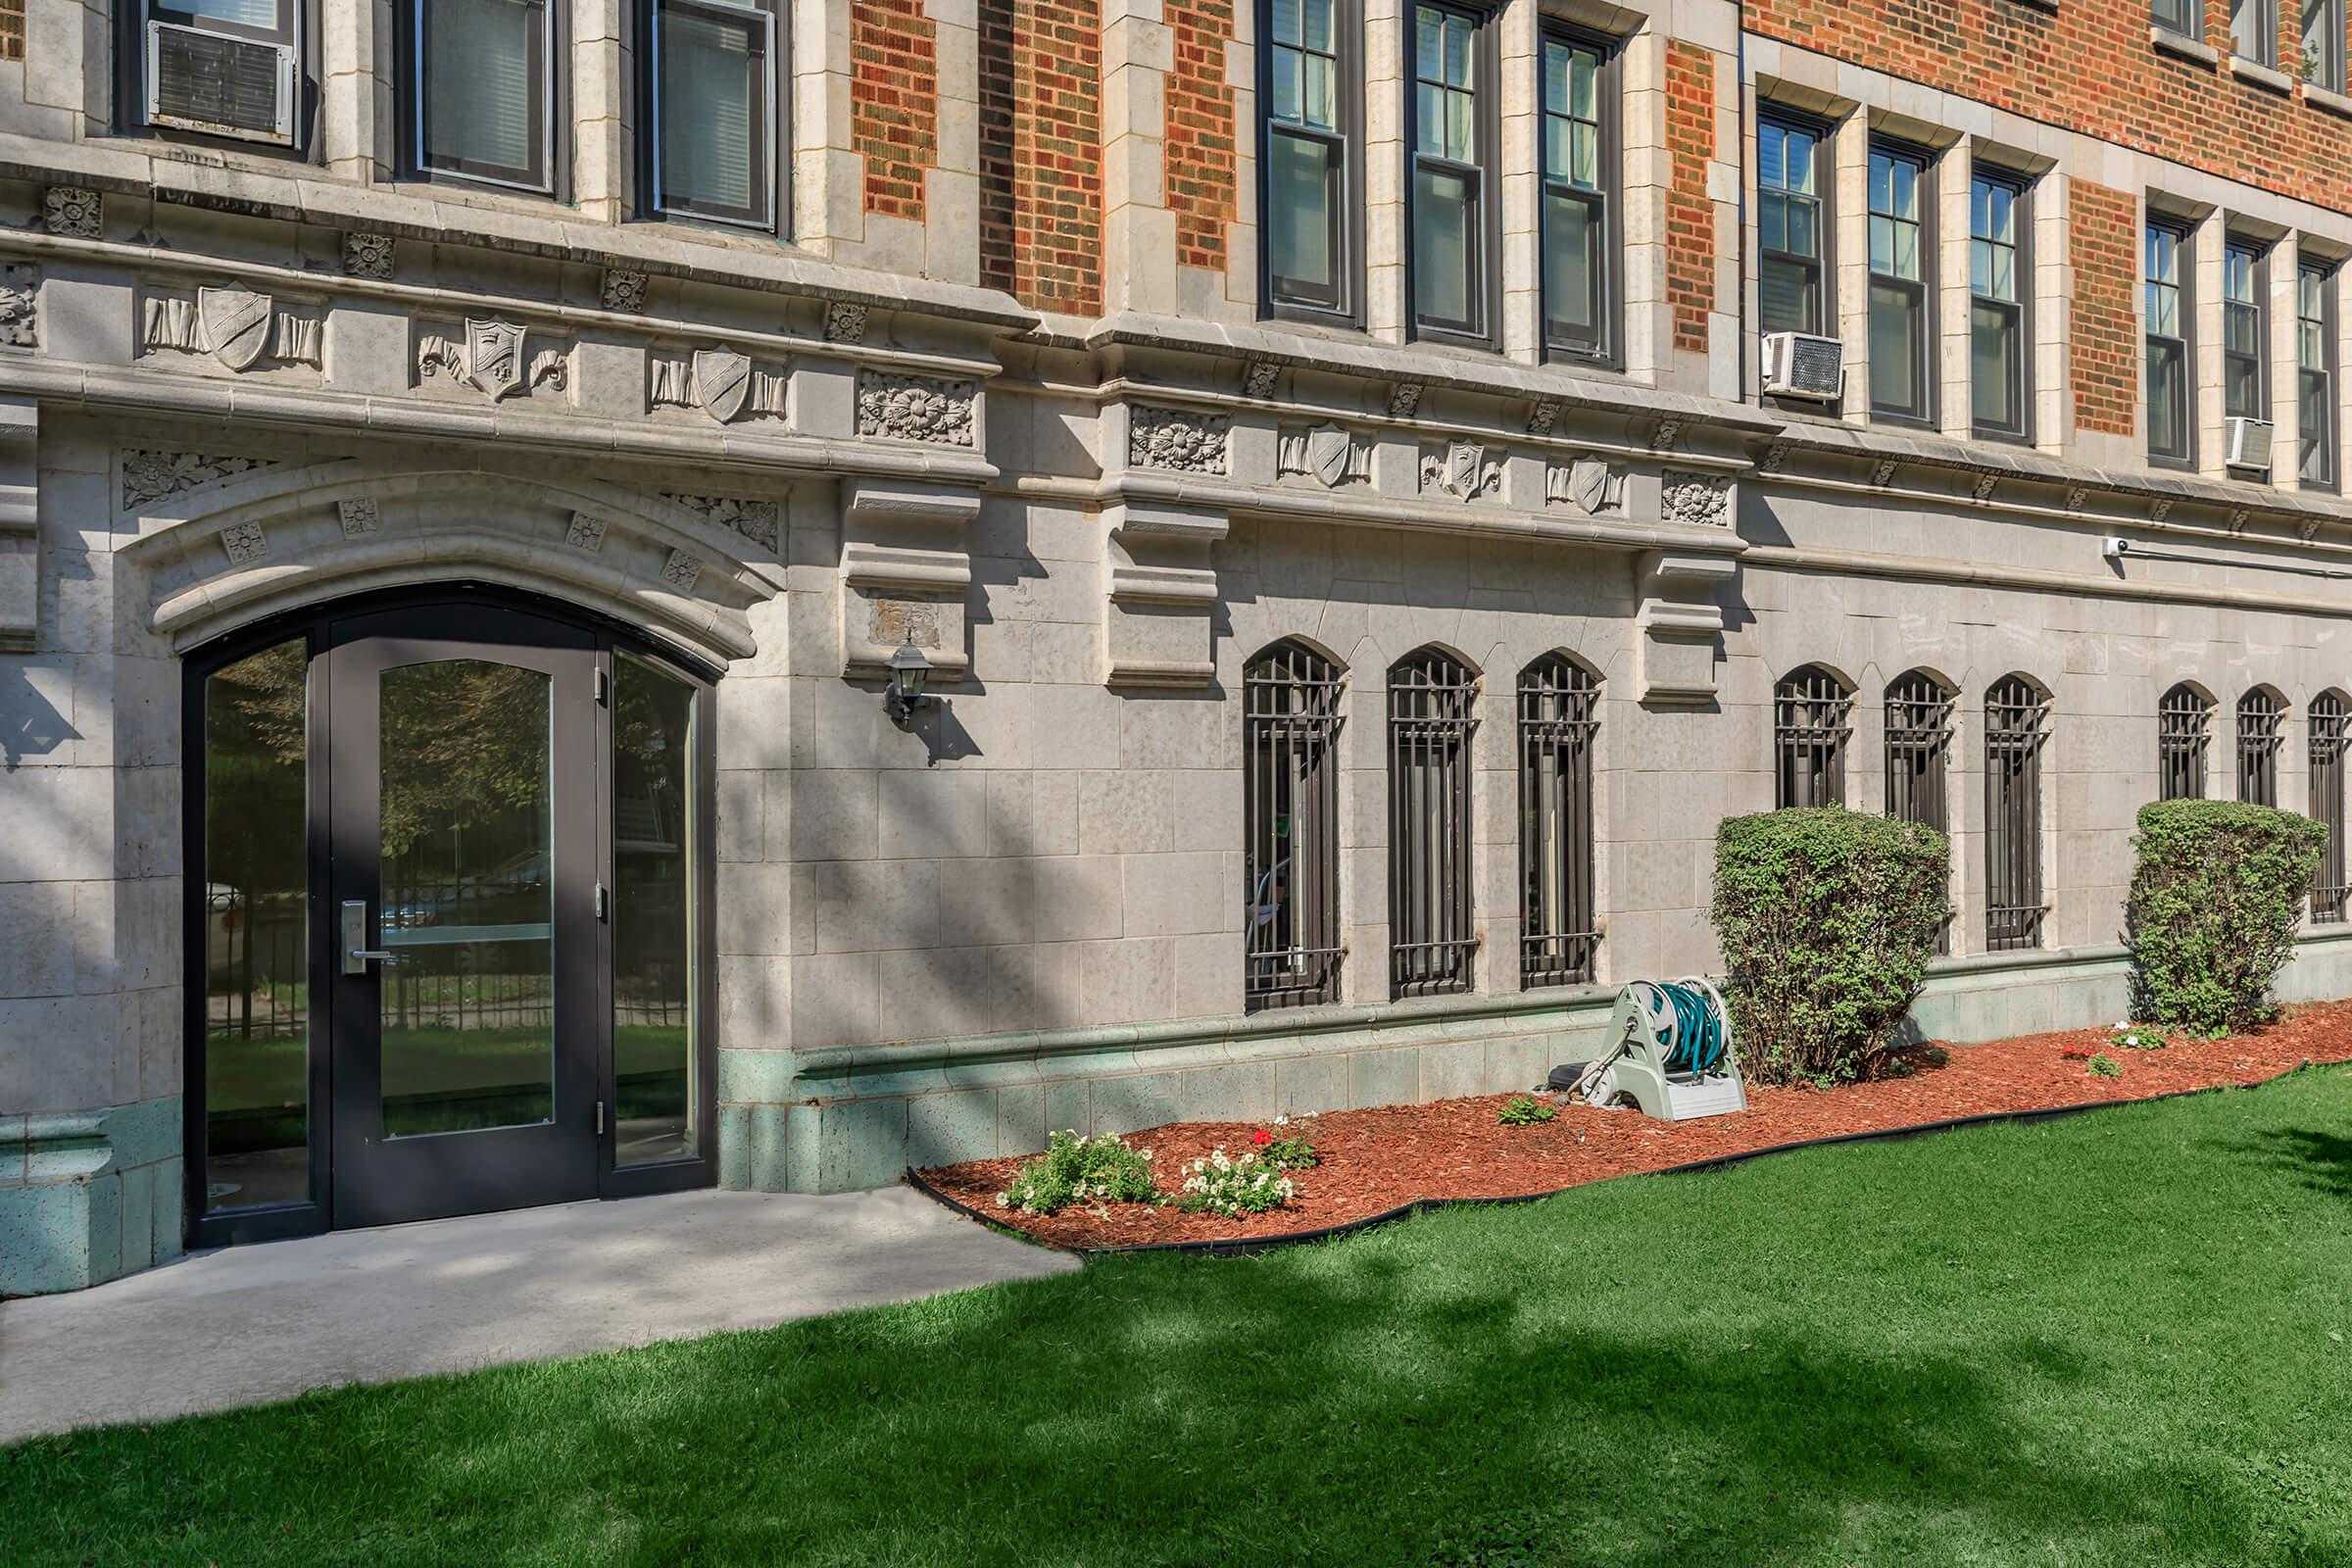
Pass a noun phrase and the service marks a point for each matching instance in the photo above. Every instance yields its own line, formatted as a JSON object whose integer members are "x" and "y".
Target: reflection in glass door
{"x": 654, "y": 885}
{"x": 467, "y": 1012}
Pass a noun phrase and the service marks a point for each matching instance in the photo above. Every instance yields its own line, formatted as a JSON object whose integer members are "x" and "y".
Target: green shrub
{"x": 2103, "y": 1066}
{"x": 1525, "y": 1110}
{"x": 1082, "y": 1171}
{"x": 2212, "y": 913}
{"x": 1827, "y": 919}
{"x": 1234, "y": 1185}
{"x": 1288, "y": 1154}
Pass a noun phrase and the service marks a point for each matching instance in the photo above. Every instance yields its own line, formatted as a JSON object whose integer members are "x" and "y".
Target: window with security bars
{"x": 1558, "y": 715}
{"x": 2183, "y": 731}
{"x": 1431, "y": 697}
{"x": 2261, "y": 728}
{"x": 2329, "y": 725}
{"x": 1812, "y": 716}
{"x": 1919, "y": 741}
{"x": 2017, "y": 717}
{"x": 1291, "y": 828}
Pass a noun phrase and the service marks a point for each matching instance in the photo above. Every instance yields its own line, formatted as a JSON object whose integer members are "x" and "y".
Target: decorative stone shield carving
{"x": 236, "y": 324}
{"x": 1327, "y": 453}
{"x": 494, "y": 361}
{"x": 1589, "y": 485}
{"x": 1465, "y": 461}
{"x": 721, "y": 378}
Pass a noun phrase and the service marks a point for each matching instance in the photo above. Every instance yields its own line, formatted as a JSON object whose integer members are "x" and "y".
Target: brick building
{"x": 1367, "y": 487}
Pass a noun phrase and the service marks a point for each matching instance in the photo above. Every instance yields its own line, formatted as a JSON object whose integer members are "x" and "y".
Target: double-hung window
{"x": 1791, "y": 297}
{"x": 2324, "y": 43}
{"x": 2314, "y": 375}
{"x": 2254, "y": 30}
{"x": 2164, "y": 305}
{"x": 2183, "y": 17}
{"x": 226, "y": 67}
{"x": 2244, "y": 394}
{"x": 1899, "y": 244}
{"x": 1452, "y": 140}
{"x": 1996, "y": 309}
{"x": 714, "y": 81}
{"x": 1579, "y": 169}
{"x": 484, "y": 90}
{"x": 1308, "y": 87}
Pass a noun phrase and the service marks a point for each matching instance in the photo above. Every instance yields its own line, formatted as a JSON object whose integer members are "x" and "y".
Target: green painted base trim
{"x": 88, "y": 1195}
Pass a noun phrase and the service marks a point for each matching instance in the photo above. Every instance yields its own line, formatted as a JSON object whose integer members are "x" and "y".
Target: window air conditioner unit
{"x": 2249, "y": 443}
{"x": 1799, "y": 365}
{"x": 217, "y": 84}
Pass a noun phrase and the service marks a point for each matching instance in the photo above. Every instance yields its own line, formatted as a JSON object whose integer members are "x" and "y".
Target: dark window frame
{"x": 2330, "y": 731}
{"x": 1928, "y": 356}
{"x": 554, "y": 105}
{"x": 2265, "y": 52}
{"x": 1291, "y": 701}
{"x": 1433, "y": 719}
{"x": 2017, "y": 730}
{"x": 2184, "y": 742}
{"x": 2021, "y": 225}
{"x": 2324, "y": 374}
{"x": 1559, "y": 724}
{"x": 1823, "y": 291}
{"x": 778, "y": 183}
{"x": 1485, "y": 331}
{"x": 2258, "y": 282}
{"x": 1812, "y": 727}
{"x": 2189, "y": 12}
{"x": 2327, "y": 72}
{"x": 1347, "y": 27}
{"x": 1607, "y": 351}
{"x": 1918, "y": 746}
{"x": 302, "y": 31}
{"x": 2261, "y": 738}
{"x": 2183, "y": 344}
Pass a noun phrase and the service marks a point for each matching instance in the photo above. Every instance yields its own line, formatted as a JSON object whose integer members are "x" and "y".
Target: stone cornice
{"x": 411, "y": 211}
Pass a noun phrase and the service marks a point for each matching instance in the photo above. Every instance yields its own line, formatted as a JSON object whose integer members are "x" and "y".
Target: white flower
{"x": 1282, "y": 1121}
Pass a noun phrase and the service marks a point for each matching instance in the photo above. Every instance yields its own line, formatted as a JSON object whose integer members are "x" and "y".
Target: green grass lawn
{"x": 2124, "y": 1338}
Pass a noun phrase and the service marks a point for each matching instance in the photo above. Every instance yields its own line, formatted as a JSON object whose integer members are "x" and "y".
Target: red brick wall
{"x": 1202, "y": 170}
{"x": 1040, "y": 152}
{"x": 894, "y": 102}
{"x": 1689, "y": 215}
{"x": 2089, "y": 68}
{"x": 2103, "y": 349}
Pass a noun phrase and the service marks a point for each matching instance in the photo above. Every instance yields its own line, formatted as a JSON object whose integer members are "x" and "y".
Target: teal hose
{"x": 1696, "y": 1038}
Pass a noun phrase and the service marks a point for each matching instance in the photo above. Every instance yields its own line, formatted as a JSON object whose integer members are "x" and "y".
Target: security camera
{"x": 2112, "y": 548}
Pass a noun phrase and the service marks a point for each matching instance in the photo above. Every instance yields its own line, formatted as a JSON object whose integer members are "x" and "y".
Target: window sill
{"x": 2261, "y": 76}
{"x": 2165, "y": 41}
{"x": 2335, "y": 103}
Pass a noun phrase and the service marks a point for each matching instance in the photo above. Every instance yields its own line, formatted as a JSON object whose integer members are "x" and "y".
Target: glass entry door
{"x": 463, "y": 909}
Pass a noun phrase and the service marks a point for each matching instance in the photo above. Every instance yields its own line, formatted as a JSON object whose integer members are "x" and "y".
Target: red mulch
{"x": 1377, "y": 1160}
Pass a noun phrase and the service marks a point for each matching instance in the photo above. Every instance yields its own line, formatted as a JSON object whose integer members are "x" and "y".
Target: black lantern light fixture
{"x": 904, "y": 695}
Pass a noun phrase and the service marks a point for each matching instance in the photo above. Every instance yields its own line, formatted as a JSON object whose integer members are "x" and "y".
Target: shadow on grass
{"x": 2324, "y": 1159}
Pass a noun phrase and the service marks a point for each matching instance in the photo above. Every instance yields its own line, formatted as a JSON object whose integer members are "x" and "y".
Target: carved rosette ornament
{"x": 366, "y": 254}
{"x": 1541, "y": 416}
{"x": 845, "y": 323}
{"x": 245, "y": 543}
{"x": 682, "y": 570}
{"x": 149, "y": 476}
{"x": 916, "y": 408}
{"x": 1694, "y": 498}
{"x": 624, "y": 289}
{"x": 358, "y": 516}
{"x": 1258, "y": 380}
{"x": 1669, "y": 431}
{"x": 1176, "y": 438}
{"x": 74, "y": 210}
{"x": 1405, "y": 400}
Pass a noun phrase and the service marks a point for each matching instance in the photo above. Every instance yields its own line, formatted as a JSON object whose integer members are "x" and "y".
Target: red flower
{"x": 1262, "y": 1138}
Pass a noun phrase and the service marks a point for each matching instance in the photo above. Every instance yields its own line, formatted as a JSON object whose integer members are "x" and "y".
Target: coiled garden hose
{"x": 1693, "y": 1041}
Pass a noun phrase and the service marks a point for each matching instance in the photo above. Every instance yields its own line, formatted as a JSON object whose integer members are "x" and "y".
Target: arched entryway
{"x": 448, "y": 905}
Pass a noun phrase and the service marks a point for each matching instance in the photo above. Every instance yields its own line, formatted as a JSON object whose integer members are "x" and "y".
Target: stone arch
{"x": 224, "y": 551}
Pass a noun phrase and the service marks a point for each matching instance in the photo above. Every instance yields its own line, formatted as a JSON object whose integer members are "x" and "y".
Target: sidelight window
{"x": 1558, "y": 715}
{"x": 2017, "y": 715}
{"x": 1291, "y": 827}
{"x": 1431, "y": 699}
{"x": 1812, "y": 719}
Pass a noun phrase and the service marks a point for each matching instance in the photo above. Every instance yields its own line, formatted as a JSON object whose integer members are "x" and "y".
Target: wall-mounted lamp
{"x": 904, "y": 696}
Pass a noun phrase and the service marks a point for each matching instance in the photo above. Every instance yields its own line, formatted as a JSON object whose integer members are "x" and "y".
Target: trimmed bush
{"x": 1828, "y": 918}
{"x": 1077, "y": 1169}
{"x": 2212, "y": 914}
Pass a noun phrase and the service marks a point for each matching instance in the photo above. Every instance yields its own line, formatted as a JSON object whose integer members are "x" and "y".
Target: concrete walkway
{"x": 251, "y": 1324}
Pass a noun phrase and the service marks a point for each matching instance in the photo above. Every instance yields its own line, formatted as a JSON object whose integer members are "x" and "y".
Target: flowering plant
{"x": 1234, "y": 1186}
{"x": 1076, "y": 1169}
{"x": 2137, "y": 1037}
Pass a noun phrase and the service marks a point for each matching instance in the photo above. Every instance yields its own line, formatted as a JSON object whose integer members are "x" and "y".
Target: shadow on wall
{"x": 30, "y": 723}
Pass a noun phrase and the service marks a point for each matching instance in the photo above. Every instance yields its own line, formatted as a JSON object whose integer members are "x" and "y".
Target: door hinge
{"x": 599, "y": 1118}
{"x": 604, "y": 688}
{"x": 601, "y": 902}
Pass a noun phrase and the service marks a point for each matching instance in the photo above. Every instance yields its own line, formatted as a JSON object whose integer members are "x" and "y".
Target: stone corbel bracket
{"x": 1162, "y": 591}
{"x": 905, "y": 565}
{"x": 1679, "y": 622}
{"x": 19, "y": 510}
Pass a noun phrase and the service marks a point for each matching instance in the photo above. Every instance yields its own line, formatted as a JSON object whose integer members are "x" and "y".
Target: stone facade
{"x": 1009, "y": 393}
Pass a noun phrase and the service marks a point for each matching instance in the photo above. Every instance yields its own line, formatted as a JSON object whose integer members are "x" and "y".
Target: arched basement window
{"x": 2183, "y": 730}
{"x": 2017, "y": 719}
{"x": 1291, "y": 827}
{"x": 1558, "y": 715}
{"x": 1431, "y": 943}
{"x": 2261, "y": 727}
{"x": 1812, "y": 717}
{"x": 2328, "y": 729}
{"x": 1919, "y": 742}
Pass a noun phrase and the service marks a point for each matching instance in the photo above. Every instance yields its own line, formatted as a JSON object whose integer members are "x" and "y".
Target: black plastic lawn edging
{"x": 1248, "y": 1246}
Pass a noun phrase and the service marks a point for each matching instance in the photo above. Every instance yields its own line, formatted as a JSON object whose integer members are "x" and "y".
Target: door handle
{"x": 357, "y": 954}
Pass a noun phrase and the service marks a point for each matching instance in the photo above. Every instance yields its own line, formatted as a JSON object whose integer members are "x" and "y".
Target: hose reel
{"x": 1669, "y": 1053}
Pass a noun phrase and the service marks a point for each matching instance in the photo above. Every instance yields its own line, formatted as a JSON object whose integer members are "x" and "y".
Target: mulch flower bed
{"x": 1378, "y": 1160}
